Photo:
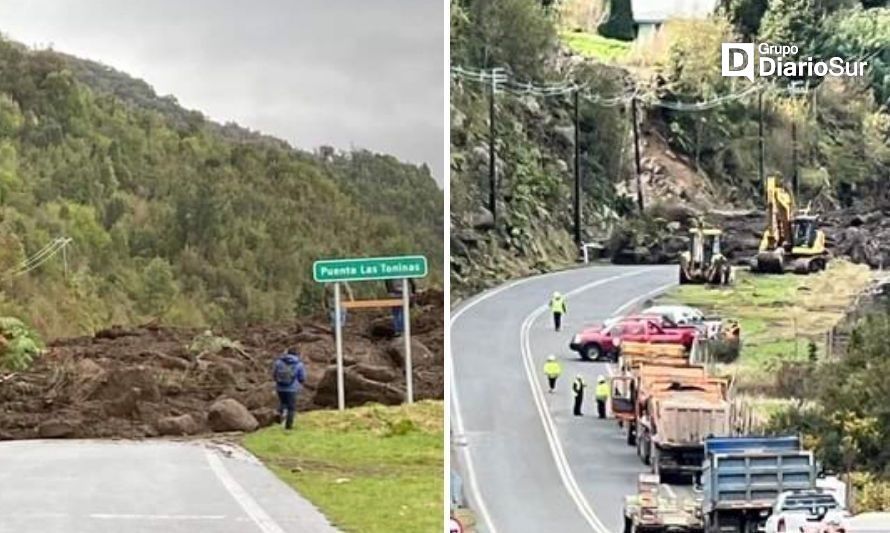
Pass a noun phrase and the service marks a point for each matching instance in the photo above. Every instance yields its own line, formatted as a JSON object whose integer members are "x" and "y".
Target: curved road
{"x": 145, "y": 487}
{"x": 527, "y": 463}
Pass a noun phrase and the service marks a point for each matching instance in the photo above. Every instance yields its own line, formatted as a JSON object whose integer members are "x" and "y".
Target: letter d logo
{"x": 737, "y": 60}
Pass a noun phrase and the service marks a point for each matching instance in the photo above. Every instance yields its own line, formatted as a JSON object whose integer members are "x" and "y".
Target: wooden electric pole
{"x": 633, "y": 118}
{"x": 577, "y": 168}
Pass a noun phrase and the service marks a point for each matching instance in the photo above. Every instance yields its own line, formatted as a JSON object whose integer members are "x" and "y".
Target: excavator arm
{"x": 779, "y": 214}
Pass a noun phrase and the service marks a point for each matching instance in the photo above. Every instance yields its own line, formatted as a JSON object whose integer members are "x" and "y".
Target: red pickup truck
{"x": 598, "y": 342}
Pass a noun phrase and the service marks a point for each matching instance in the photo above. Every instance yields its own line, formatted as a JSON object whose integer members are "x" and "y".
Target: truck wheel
{"x": 643, "y": 445}
{"x": 591, "y": 352}
{"x": 628, "y": 525}
{"x": 654, "y": 460}
{"x": 631, "y": 439}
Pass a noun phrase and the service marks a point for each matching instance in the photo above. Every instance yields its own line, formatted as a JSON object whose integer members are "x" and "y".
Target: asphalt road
{"x": 527, "y": 463}
{"x": 145, "y": 487}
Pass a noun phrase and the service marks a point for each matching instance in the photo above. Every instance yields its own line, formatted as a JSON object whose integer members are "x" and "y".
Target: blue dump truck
{"x": 743, "y": 476}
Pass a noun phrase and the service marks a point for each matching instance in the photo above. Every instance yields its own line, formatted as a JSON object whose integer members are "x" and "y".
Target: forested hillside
{"x": 692, "y": 160}
{"x": 174, "y": 217}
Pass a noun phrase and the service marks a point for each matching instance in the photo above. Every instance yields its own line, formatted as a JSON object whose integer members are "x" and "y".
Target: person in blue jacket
{"x": 289, "y": 374}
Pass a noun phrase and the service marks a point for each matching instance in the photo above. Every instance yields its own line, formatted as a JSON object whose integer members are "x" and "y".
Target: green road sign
{"x": 369, "y": 268}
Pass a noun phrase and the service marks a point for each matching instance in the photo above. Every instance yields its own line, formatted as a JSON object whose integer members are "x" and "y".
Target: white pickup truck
{"x": 684, "y": 315}
{"x": 806, "y": 511}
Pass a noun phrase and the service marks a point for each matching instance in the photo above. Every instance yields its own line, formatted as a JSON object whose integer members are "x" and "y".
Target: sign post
{"x": 371, "y": 269}
{"x": 338, "y": 336}
{"x": 406, "y": 311}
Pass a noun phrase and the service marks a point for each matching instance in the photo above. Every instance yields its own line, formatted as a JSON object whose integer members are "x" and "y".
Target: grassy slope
{"x": 369, "y": 469}
{"x": 779, "y": 315}
{"x": 595, "y": 46}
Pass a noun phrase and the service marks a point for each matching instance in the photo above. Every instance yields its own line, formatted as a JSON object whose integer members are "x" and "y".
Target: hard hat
{"x": 578, "y": 376}
{"x": 600, "y": 379}
{"x": 556, "y": 294}
{"x": 551, "y": 358}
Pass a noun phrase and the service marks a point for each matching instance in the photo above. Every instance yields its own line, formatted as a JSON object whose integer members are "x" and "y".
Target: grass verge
{"x": 782, "y": 317}
{"x": 369, "y": 469}
{"x": 595, "y": 46}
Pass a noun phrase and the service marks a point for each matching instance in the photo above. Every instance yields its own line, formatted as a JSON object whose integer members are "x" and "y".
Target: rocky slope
{"x": 151, "y": 380}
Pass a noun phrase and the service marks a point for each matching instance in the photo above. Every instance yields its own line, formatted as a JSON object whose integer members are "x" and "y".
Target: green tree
{"x": 792, "y": 22}
{"x": 518, "y": 34}
{"x": 159, "y": 287}
{"x": 863, "y": 34}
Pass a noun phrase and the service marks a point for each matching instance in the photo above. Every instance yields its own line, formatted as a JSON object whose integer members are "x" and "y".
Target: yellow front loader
{"x": 704, "y": 262}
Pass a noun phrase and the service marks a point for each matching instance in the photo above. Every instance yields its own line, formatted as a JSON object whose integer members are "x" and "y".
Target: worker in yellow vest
{"x": 552, "y": 370}
{"x": 558, "y": 308}
{"x": 602, "y": 396}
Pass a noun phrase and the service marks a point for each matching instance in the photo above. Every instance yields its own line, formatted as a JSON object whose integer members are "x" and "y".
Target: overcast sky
{"x": 362, "y": 73}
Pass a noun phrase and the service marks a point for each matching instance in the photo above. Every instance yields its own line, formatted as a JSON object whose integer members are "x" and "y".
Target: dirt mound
{"x": 138, "y": 382}
{"x": 858, "y": 234}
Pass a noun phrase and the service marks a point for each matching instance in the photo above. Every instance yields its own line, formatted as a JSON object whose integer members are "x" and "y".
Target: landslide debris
{"x": 154, "y": 380}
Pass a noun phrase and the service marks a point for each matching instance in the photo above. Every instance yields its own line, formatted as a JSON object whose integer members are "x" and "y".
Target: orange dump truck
{"x": 635, "y": 354}
{"x": 669, "y": 411}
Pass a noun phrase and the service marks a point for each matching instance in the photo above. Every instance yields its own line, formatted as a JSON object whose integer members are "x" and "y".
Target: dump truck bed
{"x": 750, "y": 473}
{"x": 687, "y": 419}
{"x": 635, "y": 354}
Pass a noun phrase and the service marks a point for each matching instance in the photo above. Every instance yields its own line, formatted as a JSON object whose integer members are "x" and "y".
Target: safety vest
{"x": 578, "y": 386}
{"x": 558, "y": 304}
{"x": 552, "y": 369}
{"x": 602, "y": 390}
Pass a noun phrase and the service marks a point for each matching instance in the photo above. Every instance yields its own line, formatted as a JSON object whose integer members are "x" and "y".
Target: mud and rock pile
{"x": 860, "y": 235}
{"x": 151, "y": 380}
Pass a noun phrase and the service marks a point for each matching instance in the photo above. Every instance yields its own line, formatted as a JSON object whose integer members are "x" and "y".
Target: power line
{"x": 40, "y": 257}
{"x": 502, "y": 79}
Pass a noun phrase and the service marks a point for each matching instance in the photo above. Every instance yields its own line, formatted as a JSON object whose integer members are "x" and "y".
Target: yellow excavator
{"x": 791, "y": 240}
{"x": 704, "y": 262}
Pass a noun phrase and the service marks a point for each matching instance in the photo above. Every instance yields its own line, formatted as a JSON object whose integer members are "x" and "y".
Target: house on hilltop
{"x": 650, "y": 15}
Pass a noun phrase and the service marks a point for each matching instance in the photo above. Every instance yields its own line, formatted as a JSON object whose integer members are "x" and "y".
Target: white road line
{"x": 244, "y": 499}
{"x": 476, "y": 496}
{"x": 104, "y": 516}
{"x": 649, "y": 294}
{"x": 463, "y": 451}
{"x": 556, "y": 448}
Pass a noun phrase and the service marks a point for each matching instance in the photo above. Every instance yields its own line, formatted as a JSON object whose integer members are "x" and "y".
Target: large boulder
{"x": 56, "y": 429}
{"x": 230, "y": 415}
{"x": 482, "y": 219}
{"x": 363, "y": 383}
{"x": 420, "y": 354}
{"x": 265, "y": 416}
{"x": 177, "y": 425}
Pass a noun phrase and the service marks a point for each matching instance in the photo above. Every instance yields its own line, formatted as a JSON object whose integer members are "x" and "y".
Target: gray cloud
{"x": 346, "y": 73}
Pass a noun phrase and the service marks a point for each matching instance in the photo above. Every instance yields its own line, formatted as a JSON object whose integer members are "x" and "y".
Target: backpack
{"x": 285, "y": 374}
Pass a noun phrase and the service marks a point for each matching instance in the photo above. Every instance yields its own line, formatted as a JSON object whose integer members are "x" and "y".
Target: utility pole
{"x": 760, "y": 139}
{"x": 577, "y": 168}
{"x": 633, "y": 117}
{"x": 794, "y": 157}
{"x": 797, "y": 89}
{"x": 492, "y": 170}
